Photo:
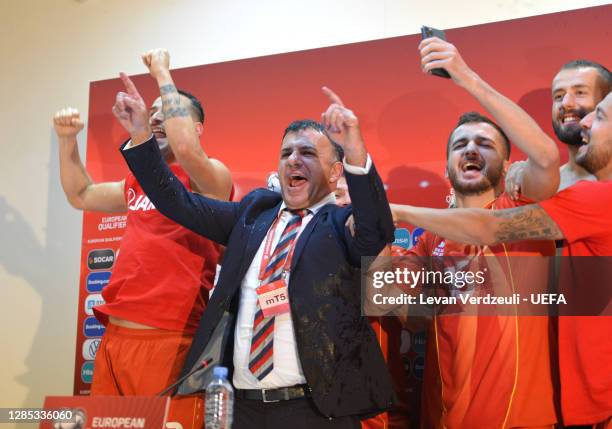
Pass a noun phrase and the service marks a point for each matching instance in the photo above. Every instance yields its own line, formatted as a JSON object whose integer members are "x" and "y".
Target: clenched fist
{"x": 157, "y": 61}
{"x": 67, "y": 123}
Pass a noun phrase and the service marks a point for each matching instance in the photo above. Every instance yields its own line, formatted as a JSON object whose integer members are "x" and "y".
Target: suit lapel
{"x": 258, "y": 234}
{"x": 305, "y": 236}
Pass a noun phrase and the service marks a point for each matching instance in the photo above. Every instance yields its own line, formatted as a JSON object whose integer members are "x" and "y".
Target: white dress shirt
{"x": 287, "y": 369}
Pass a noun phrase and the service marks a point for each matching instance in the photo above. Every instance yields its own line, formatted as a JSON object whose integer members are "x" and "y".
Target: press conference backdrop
{"x": 405, "y": 117}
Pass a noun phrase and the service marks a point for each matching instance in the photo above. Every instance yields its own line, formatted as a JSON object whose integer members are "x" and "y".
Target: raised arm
{"x": 208, "y": 217}
{"x": 373, "y": 224}
{"x": 481, "y": 226}
{"x": 82, "y": 193}
{"x": 539, "y": 177}
{"x": 210, "y": 176}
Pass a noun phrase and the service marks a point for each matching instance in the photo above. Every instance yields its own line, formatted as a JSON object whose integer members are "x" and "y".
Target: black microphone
{"x": 202, "y": 365}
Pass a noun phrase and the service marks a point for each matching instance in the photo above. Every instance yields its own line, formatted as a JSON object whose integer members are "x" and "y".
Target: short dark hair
{"x": 304, "y": 124}
{"x": 605, "y": 77}
{"x": 476, "y": 118}
{"x": 195, "y": 104}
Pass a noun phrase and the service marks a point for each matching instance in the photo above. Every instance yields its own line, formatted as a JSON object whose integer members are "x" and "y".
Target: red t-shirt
{"x": 489, "y": 371}
{"x": 163, "y": 271}
{"x": 583, "y": 212}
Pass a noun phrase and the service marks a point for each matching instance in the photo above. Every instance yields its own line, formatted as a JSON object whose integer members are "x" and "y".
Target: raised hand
{"x": 157, "y": 61}
{"x": 438, "y": 53}
{"x": 343, "y": 127}
{"x": 514, "y": 178}
{"x": 131, "y": 110}
{"x": 67, "y": 123}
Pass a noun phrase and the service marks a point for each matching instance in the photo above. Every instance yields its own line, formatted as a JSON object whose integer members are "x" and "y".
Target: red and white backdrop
{"x": 405, "y": 116}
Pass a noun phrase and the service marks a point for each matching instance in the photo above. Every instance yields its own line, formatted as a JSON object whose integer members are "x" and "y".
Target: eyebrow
{"x": 477, "y": 137}
{"x": 578, "y": 85}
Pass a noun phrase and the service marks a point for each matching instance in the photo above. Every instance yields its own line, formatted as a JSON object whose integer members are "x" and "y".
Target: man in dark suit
{"x": 315, "y": 361}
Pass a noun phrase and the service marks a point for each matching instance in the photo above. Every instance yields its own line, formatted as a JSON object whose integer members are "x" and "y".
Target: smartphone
{"x": 426, "y": 33}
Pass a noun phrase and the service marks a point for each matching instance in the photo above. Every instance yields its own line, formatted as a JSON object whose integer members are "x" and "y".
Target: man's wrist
{"x": 473, "y": 84}
{"x": 139, "y": 137}
{"x": 67, "y": 139}
{"x": 357, "y": 157}
{"x": 163, "y": 77}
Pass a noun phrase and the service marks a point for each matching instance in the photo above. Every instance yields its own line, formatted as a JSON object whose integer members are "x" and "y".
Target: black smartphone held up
{"x": 426, "y": 33}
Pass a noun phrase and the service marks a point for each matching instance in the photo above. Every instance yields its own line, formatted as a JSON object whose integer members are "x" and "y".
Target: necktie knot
{"x": 299, "y": 212}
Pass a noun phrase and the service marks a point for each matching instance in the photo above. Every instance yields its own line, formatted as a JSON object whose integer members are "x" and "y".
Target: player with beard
{"x": 159, "y": 287}
{"x": 576, "y": 90}
{"x": 579, "y": 214}
{"x": 488, "y": 371}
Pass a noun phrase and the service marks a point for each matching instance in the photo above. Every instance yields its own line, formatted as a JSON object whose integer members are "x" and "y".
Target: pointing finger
{"x": 332, "y": 96}
{"x": 129, "y": 85}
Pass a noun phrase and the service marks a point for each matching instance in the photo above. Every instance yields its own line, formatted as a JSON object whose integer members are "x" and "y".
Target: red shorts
{"x": 144, "y": 362}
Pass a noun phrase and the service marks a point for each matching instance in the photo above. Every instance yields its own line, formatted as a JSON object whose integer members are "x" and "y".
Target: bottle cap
{"x": 220, "y": 371}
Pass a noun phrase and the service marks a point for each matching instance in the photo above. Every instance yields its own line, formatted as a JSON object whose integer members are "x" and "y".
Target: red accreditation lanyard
{"x": 273, "y": 297}
{"x": 265, "y": 259}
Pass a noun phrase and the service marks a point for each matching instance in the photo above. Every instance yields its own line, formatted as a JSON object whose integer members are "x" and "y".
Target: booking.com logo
{"x": 97, "y": 280}
{"x": 93, "y": 328}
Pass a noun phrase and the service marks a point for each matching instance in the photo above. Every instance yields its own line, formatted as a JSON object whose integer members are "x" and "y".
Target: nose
{"x": 294, "y": 158}
{"x": 156, "y": 118}
{"x": 471, "y": 147}
{"x": 568, "y": 101}
{"x": 587, "y": 121}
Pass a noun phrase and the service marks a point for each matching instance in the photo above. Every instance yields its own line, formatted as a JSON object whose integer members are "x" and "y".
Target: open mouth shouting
{"x": 472, "y": 169}
{"x": 296, "y": 182}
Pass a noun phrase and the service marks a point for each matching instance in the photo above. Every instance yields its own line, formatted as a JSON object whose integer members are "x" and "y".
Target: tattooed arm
{"x": 183, "y": 127}
{"x": 480, "y": 226}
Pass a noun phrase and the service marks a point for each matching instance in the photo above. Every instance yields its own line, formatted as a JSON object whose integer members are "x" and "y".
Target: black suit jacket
{"x": 338, "y": 351}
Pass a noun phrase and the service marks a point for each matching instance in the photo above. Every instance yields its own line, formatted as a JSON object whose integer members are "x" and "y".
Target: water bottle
{"x": 219, "y": 401}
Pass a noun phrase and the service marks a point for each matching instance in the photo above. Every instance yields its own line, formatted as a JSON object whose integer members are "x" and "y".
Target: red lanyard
{"x": 266, "y": 255}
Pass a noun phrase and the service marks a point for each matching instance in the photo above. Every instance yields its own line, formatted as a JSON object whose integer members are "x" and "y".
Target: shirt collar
{"x": 328, "y": 199}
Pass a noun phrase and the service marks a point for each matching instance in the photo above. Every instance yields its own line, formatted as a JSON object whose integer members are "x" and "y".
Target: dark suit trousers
{"x": 293, "y": 414}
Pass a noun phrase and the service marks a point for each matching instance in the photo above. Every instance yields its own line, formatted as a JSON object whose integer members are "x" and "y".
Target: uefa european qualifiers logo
{"x": 100, "y": 259}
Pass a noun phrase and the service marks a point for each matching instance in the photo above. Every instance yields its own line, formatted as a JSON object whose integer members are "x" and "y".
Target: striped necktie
{"x": 262, "y": 345}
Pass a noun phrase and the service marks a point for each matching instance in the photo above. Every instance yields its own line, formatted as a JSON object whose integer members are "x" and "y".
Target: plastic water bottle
{"x": 219, "y": 401}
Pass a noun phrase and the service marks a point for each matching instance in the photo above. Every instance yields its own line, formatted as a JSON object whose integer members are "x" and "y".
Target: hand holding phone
{"x": 426, "y": 33}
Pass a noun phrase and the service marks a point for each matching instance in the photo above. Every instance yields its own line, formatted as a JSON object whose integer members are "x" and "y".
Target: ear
{"x": 505, "y": 166}
{"x": 199, "y": 128}
{"x": 337, "y": 171}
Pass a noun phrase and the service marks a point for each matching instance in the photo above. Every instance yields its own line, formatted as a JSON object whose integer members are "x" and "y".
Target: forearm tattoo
{"x": 526, "y": 223}
{"x": 171, "y": 102}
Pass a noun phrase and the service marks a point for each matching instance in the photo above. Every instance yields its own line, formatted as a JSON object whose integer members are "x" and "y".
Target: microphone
{"x": 202, "y": 365}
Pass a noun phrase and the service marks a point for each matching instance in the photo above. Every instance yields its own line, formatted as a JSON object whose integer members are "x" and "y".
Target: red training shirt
{"x": 163, "y": 272}
{"x": 583, "y": 212}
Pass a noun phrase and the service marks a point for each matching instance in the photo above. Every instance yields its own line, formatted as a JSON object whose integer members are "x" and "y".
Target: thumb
{"x": 76, "y": 122}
